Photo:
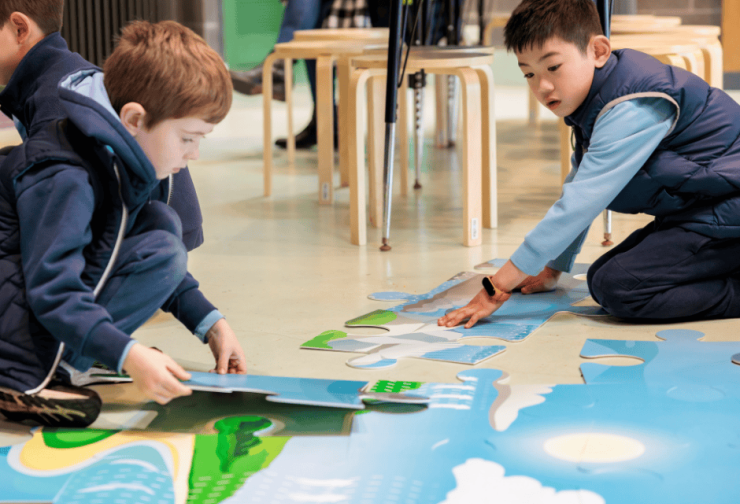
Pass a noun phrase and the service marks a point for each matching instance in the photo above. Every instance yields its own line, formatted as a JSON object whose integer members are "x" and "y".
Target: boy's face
{"x": 172, "y": 143}
{"x": 559, "y": 74}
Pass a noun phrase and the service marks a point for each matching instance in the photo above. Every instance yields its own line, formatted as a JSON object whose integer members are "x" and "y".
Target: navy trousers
{"x": 151, "y": 263}
{"x": 668, "y": 273}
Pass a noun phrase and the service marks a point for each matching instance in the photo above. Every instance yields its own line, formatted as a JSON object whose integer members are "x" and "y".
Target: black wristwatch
{"x": 488, "y": 285}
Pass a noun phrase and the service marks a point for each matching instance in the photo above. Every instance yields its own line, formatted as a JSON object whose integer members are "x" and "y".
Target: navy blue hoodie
{"x": 31, "y": 99}
{"x": 56, "y": 238}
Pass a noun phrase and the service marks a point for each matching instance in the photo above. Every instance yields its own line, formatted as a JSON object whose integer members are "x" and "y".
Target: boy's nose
{"x": 545, "y": 86}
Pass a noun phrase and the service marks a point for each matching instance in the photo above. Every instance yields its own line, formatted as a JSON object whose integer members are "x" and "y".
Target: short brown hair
{"x": 170, "y": 71}
{"x": 535, "y": 21}
{"x": 48, "y": 14}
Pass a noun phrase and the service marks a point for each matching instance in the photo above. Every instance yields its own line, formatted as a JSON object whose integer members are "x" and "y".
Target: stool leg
{"x": 452, "y": 107}
{"x": 607, "y": 229}
{"x": 418, "y": 134}
{"x": 343, "y": 73}
{"x": 376, "y": 109}
{"x": 403, "y": 135}
{"x": 440, "y": 87}
{"x": 267, "y": 121}
{"x": 534, "y": 109}
{"x": 356, "y": 158}
{"x": 289, "y": 106}
{"x": 325, "y": 127}
{"x": 713, "y": 60}
{"x": 488, "y": 130}
{"x": 471, "y": 155}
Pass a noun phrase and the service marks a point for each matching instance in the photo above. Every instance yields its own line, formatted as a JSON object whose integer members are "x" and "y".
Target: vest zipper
{"x": 171, "y": 188}
{"x": 101, "y": 282}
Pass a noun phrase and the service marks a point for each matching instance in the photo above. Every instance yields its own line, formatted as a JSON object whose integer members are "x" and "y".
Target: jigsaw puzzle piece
{"x": 310, "y": 391}
{"x": 681, "y": 366}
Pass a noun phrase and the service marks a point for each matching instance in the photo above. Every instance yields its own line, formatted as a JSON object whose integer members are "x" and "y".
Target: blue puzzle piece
{"x": 687, "y": 369}
{"x": 465, "y": 354}
{"x": 308, "y": 391}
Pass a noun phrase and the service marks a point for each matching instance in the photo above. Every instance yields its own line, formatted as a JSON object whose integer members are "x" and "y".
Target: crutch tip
{"x": 417, "y": 185}
{"x": 385, "y": 247}
{"x": 607, "y": 240}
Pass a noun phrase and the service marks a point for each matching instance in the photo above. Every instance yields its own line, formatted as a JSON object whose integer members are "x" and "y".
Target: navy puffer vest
{"x": 693, "y": 177}
{"x": 27, "y": 349}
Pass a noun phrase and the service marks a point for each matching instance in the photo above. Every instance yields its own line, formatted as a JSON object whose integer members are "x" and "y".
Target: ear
{"x": 24, "y": 28}
{"x": 602, "y": 49}
{"x": 133, "y": 117}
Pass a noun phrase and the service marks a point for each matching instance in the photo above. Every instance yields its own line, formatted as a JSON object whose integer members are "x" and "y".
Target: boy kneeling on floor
{"x": 649, "y": 138}
{"x": 87, "y": 251}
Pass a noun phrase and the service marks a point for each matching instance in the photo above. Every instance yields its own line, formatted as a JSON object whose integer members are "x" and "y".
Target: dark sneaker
{"x": 58, "y": 405}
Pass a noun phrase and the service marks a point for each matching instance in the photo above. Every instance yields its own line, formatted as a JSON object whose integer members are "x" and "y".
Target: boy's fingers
{"x": 178, "y": 371}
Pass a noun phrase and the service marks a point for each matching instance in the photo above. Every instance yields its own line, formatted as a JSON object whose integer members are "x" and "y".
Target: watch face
{"x": 488, "y": 285}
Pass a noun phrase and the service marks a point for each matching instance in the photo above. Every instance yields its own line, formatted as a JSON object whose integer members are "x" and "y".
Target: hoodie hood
{"x": 88, "y": 108}
{"x": 30, "y": 97}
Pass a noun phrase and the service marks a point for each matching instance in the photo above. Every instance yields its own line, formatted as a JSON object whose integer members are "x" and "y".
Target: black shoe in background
{"x": 303, "y": 140}
{"x": 308, "y": 137}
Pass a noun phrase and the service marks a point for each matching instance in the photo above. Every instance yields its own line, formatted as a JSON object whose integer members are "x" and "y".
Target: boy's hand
{"x": 226, "y": 349}
{"x": 156, "y": 374}
{"x": 481, "y": 306}
{"x": 544, "y": 282}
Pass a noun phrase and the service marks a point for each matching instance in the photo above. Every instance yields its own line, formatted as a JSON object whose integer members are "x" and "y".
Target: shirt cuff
{"x": 126, "y": 350}
{"x": 206, "y": 324}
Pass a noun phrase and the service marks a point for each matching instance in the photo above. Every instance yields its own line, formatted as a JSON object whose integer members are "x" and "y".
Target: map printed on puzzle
{"x": 412, "y": 329}
{"x": 627, "y": 435}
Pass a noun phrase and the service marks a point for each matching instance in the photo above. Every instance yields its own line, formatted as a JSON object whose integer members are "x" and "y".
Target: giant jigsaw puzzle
{"x": 412, "y": 330}
{"x": 624, "y": 436}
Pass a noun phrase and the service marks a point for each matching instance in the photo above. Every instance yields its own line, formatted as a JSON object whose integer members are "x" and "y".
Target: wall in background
{"x": 250, "y": 29}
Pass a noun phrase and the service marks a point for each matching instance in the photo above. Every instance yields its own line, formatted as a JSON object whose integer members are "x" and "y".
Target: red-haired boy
{"x": 89, "y": 249}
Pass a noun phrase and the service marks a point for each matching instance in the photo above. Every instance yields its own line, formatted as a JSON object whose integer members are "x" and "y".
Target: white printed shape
{"x": 482, "y": 481}
{"x": 474, "y": 229}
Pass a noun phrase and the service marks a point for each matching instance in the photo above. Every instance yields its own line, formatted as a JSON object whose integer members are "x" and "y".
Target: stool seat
{"x": 342, "y": 33}
{"x": 421, "y": 59}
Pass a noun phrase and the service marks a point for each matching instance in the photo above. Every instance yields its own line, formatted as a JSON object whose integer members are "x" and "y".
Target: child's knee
{"x": 156, "y": 215}
{"x": 614, "y": 289}
{"x": 174, "y": 256}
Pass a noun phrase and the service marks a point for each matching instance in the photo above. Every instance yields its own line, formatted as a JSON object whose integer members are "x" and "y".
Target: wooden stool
{"x": 705, "y": 36}
{"x": 479, "y": 142}
{"x": 326, "y": 53}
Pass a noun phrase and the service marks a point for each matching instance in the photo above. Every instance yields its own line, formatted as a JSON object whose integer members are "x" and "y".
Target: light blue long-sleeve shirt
{"x": 622, "y": 141}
